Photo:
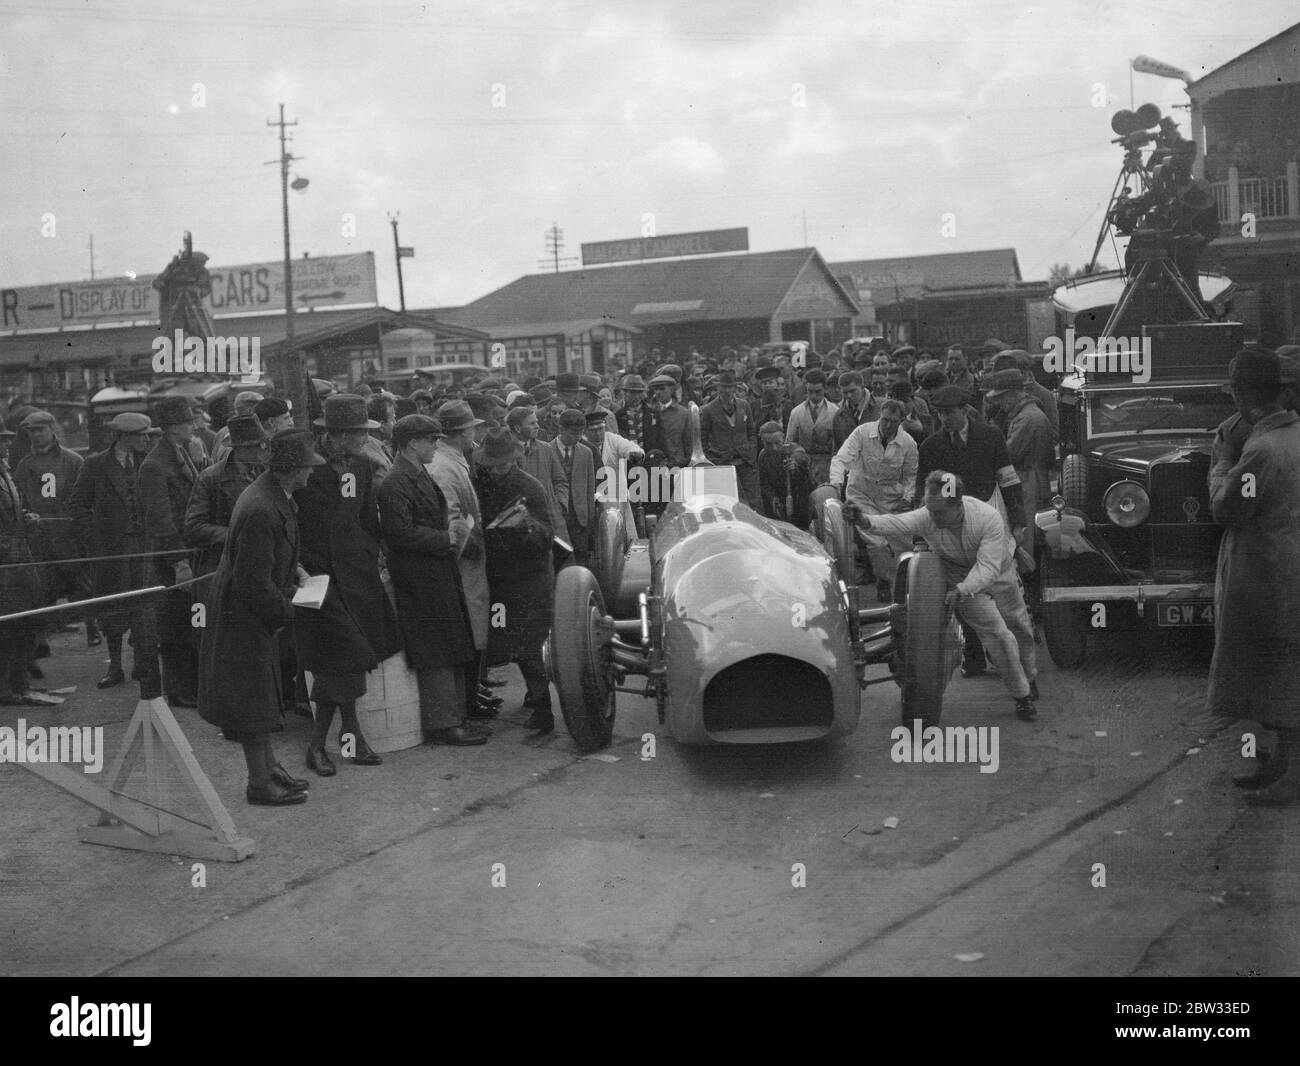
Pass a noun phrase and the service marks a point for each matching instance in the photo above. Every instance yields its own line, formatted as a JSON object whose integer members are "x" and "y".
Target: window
{"x": 399, "y": 363}
{"x": 424, "y": 360}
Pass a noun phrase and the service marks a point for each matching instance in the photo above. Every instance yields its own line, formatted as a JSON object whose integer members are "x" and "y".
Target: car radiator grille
{"x": 1184, "y": 535}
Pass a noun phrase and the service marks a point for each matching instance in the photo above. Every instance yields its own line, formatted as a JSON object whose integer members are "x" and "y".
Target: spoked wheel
{"x": 1065, "y": 625}
{"x": 930, "y": 641}
{"x": 580, "y": 660}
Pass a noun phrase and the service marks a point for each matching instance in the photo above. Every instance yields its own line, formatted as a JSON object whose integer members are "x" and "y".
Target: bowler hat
{"x": 292, "y": 448}
{"x": 409, "y": 427}
{"x": 130, "y": 422}
{"x": 343, "y": 412}
{"x": 567, "y": 383}
{"x": 1002, "y": 381}
{"x": 245, "y": 430}
{"x": 499, "y": 446}
{"x": 37, "y": 418}
{"x": 173, "y": 411}
{"x": 951, "y": 396}
{"x": 456, "y": 415}
{"x": 633, "y": 383}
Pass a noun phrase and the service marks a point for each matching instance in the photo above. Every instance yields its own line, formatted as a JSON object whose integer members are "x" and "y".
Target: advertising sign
{"x": 706, "y": 242}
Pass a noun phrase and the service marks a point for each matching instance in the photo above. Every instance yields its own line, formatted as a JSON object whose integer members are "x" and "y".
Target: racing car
{"x": 746, "y": 630}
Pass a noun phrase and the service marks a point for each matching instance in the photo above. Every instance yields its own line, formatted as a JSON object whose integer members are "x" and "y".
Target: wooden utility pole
{"x": 293, "y": 382}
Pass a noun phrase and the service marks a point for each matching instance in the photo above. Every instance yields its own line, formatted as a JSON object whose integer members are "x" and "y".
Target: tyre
{"x": 838, "y": 540}
{"x": 929, "y": 644}
{"x": 579, "y": 655}
{"x": 610, "y": 547}
{"x": 816, "y": 504}
{"x": 1065, "y": 625}
{"x": 1074, "y": 482}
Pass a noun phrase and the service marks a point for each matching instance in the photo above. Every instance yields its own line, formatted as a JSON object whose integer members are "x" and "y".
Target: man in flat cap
{"x": 355, "y": 629}
{"x": 674, "y": 421}
{"x": 811, "y": 427}
{"x": 1255, "y": 671}
{"x": 424, "y": 539}
{"x": 46, "y": 477}
{"x": 540, "y": 462}
{"x": 251, "y": 604}
{"x": 1028, "y": 435}
{"x": 167, "y": 477}
{"x": 108, "y": 520}
{"x": 274, "y": 415}
{"x": 772, "y": 406}
{"x": 578, "y": 461}
{"x": 520, "y": 571}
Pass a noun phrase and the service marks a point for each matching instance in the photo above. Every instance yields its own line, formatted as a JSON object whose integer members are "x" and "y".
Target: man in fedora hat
{"x": 1255, "y": 670}
{"x": 108, "y": 520}
{"x": 977, "y": 453}
{"x": 635, "y": 419}
{"x": 519, "y": 566}
{"x": 450, "y": 468}
{"x": 729, "y": 434}
{"x": 167, "y": 477}
{"x": 578, "y": 461}
{"x": 424, "y": 540}
{"x": 251, "y": 602}
{"x": 245, "y": 404}
{"x": 355, "y": 629}
{"x": 540, "y": 462}
{"x": 20, "y": 585}
{"x": 46, "y": 477}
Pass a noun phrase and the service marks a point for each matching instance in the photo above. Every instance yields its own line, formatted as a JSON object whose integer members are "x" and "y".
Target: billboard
{"x": 236, "y": 290}
{"x": 706, "y": 242}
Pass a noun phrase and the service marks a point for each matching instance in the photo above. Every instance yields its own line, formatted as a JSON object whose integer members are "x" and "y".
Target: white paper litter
{"x": 890, "y": 823}
{"x": 968, "y": 956}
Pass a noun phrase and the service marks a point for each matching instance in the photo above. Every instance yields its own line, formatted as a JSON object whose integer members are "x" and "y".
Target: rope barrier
{"x": 78, "y": 606}
{"x": 103, "y": 558}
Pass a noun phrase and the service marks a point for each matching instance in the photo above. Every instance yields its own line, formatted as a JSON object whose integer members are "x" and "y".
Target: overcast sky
{"x": 613, "y": 111}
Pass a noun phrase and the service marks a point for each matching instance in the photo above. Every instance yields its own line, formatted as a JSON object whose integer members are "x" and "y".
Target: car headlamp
{"x": 1127, "y": 504}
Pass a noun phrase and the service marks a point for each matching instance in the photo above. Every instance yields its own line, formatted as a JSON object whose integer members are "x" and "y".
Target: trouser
{"x": 882, "y": 551}
{"x": 144, "y": 644}
{"x": 536, "y": 680}
{"x": 1001, "y": 620}
{"x": 475, "y": 676}
{"x": 580, "y": 539}
{"x": 442, "y": 696}
{"x": 15, "y": 653}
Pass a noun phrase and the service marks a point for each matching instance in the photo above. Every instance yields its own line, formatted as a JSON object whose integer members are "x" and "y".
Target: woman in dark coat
{"x": 250, "y": 601}
{"x": 355, "y": 629}
{"x": 521, "y": 575}
{"x": 423, "y": 546}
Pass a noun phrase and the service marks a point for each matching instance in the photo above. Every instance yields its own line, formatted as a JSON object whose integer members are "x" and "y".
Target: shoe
{"x": 478, "y": 728}
{"x": 1025, "y": 709}
{"x": 42, "y": 650}
{"x": 366, "y": 756}
{"x": 274, "y": 795}
{"x": 294, "y": 784}
{"x": 113, "y": 677}
{"x": 1268, "y": 771}
{"x": 485, "y": 696}
{"x": 1284, "y": 792}
{"x": 541, "y": 721}
{"x": 319, "y": 761}
{"x": 456, "y": 737}
{"x": 36, "y": 672}
{"x": 93, "y": 638}
{"x": 482, "y": 712}
{"x": 1033, "y": 690}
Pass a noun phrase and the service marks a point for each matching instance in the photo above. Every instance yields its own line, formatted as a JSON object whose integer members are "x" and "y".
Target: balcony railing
{"x": 1265, "y": 198}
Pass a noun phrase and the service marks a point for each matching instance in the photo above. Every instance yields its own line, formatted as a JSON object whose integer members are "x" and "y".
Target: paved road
{"x": 686, "y": 863}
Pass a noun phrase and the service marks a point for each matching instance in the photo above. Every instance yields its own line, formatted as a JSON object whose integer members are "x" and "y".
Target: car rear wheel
{"x": 1065, "y": 625}
{"x": 929, "y": 644}
{"x": 1074, "y": 482}
{"x": 579, "y": 655}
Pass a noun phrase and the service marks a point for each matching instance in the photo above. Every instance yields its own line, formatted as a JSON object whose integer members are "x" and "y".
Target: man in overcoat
{"x": 578, "y": 461}
{"x": 108, "y": 519}
{"x": 520, "y": 571}
{"x": 20, "y": 586}
{"x": 728, "y": 434}
{"x": 423, "y": 543}
{"x": 355, "y": 629}
{"x": 251, "y": 602}
{"x": 1255, "y": 671}
{"x": 167, "y": 477}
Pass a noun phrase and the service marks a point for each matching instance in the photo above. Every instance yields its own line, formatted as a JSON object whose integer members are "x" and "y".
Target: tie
{"x": 957, "y": 443}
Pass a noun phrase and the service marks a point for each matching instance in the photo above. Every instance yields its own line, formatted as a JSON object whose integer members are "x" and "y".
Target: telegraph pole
{"x": 292, "y": 381}
{"x": 554, "y": 246}
{"x": 399, "y": 253}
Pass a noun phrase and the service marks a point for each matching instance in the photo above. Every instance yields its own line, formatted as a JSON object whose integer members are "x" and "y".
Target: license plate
{"x": 1185, "y": 614}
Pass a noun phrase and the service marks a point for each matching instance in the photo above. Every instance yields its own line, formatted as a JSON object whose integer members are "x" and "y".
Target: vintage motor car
{"x": 1131, "y": 531}
{"x": 745, "y": 630}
